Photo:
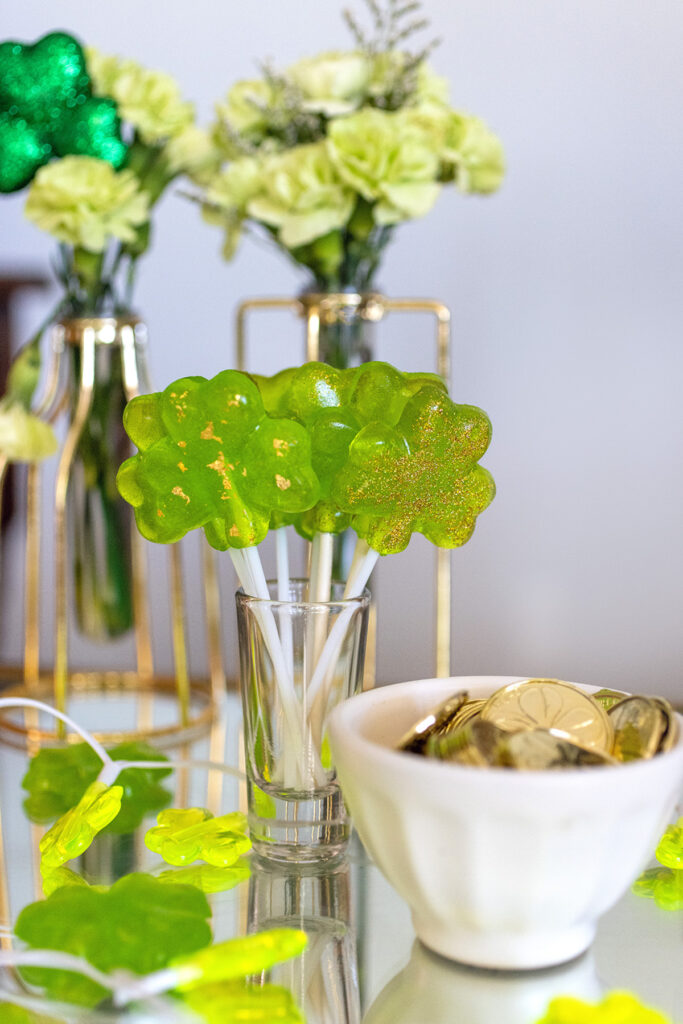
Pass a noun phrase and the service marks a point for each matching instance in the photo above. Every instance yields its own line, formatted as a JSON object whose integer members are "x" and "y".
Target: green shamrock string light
{"x": 181, "y": 837}
{"x": 57, "y": 778}
{"x": 73, "y": 833}
{"x": 664, "y": 884}
{"x": 139, "y": 924}
{"x": 47, "y": 109}
{"x": 238, "y": 1001}
{"x": 208, "y": 878}
{"x": 615, "y": 1008}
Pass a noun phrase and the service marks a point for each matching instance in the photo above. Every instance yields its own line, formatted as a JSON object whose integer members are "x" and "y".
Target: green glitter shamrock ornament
{"x": 209, "y": 455}
{"x": 139, "y": 924}
{"x": 73, "y": 833}
{"x": 419, "y": 475}
{"x": 183, "y": 836}
{"x": 615, "y": 1008}
{"x": 47, "y": 109}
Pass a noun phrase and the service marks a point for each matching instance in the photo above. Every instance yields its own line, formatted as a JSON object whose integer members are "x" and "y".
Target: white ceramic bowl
{"x": 501, "y": 869}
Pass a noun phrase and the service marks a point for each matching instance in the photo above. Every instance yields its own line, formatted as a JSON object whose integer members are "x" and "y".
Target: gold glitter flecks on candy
{"x": 182, "y": 467}
{"x": 180, "y": 493}
{"x": 208, "y": 433}
{"x": 280, "y": 446}
{"x": 282, "y": 482}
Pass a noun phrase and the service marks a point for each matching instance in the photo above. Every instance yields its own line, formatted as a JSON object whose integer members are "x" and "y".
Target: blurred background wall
{"x": 566, "y": 291}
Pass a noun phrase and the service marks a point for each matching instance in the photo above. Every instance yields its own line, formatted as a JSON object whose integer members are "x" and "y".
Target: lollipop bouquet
{"x": 323, "y": 450}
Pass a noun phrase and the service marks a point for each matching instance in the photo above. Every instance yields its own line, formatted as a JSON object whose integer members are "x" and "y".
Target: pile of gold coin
{"x": 541, "y": 724}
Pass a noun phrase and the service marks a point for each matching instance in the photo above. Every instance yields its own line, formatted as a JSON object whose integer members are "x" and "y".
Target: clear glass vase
{"x": 298, "y": 660}
{"x": 344, "y": 325}
{"x": 99, "y": 521}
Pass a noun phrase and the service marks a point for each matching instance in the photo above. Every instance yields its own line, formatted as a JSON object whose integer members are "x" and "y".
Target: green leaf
{"x": 10, "y": 1013}
{"x": 237, "y": 1003}
{"x": 184, "y": 836}
{"x": 57, "y": 779}
{"x": 140, "y": 924}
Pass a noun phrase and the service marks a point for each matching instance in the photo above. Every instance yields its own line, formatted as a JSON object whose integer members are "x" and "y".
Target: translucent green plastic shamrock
{"x": 139, "y": 924}
{"x": 181, "y": 837}
{"x": 210, "y": 456}
{"x": 57, "y": 778}
{"x": 662, "y": 885}
{"x": 239, "y": 958}
{"x": 421, "y": 475}
{"x": 55, "y": 878}
{"x": 10, "y": 1013}
{"x": 209, "y": 878}
{"x": 670, "y": 849}
{"x": 615, "y": 1008}
{"x": 74, "y": 831}
{"x": 47, "y": 109}
{"x": 236, "y": 1002}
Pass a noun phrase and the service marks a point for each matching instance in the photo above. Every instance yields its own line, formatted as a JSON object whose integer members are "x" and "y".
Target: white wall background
{"x": 568, "y": 317}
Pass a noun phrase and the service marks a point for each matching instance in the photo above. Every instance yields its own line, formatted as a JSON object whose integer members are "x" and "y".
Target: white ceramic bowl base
{"x": 501, "y": 869}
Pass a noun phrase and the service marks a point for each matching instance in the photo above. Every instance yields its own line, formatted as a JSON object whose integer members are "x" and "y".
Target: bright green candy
{"x": 615, "y": 1008}
{"x": 55, "y": 878}
{"x": 139, "y": 924}
{"x": 183, "y": 836}
{"x": 47, "y": 109}
{"x": 57, "y": 778}
{"x": 10, "y": 1013}
{"x": 421, "y": 475}
{"x": 670, "y": 849}
{"x": 210, "y": 456}
{"x": 236, "y": 1003}
{"x": 74, "y": 831}
{"x": 238, "y": 958}
{"x": 662, "y": 885}
{"x": 209, "y": 878}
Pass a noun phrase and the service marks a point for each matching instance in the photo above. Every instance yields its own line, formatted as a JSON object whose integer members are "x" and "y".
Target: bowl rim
{"x": 342, "y": 716}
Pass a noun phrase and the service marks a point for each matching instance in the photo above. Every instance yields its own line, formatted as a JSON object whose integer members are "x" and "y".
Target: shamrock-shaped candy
{"x": 183, "y": 836}
{"x": 57, "y": 778}
{"x": 47, "y": 109}
{"x": 334, "y": 405}
{"x": 211, "y": 456}
{"x": 139, "y": 924}
{"x": 419, "y": 475}
{"x": 74, "y": 831}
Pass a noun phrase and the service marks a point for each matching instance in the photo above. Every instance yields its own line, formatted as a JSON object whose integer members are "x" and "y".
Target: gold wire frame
{"x": 330, "y": 307}
{"x": 196, "y": 700}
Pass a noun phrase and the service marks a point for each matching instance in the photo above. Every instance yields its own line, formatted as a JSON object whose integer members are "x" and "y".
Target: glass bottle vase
{"x": 105, "y": 367}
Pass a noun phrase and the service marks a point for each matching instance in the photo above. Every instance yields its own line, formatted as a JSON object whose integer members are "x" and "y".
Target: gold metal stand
{"x": 330, "y": 308}
{"x": 194, "y": 701}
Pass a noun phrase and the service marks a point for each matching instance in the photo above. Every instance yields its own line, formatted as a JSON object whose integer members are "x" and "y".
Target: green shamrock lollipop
{"x": 420, "y": 475}
{"x": 210, "y": 455}
{"x": 47, "y": 109}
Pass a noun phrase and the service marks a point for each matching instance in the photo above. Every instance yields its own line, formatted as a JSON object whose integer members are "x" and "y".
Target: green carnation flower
{"x": 84, "y": 202}
{"x": 227, "y": 198}
{"x": 383, "y": 158}
{"x": 193, "y": 152}
{"x": 476, "y": 153}
{"x": 149, "y": 100}
{"x": 24, "y": 437}
{"x": 332, "y": 83}
{"x": 303, "y": 195}
{"x": 244, "y": 108}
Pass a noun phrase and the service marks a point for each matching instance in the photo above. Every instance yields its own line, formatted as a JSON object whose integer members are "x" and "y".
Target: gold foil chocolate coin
{"x": 551, "y": 704}
{"x": 479, "y": 743}
{"x": 640, "y": 725}
{"x": 672, "y": 732}
{"x": 435, "y": 722}
{"x": 467, "y": 712}
{"x": 608, "y": 698}
{"x": 551, "y": 750}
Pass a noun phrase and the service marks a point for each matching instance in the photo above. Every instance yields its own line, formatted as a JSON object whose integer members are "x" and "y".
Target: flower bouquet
{"x": 328, "y": 156}
{"x": 96, "y": 140}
